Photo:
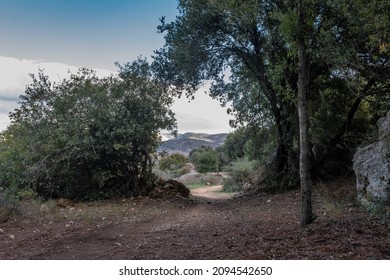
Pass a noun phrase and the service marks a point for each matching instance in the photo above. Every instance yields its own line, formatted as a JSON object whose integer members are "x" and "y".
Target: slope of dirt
{"x": 257, "y": 227}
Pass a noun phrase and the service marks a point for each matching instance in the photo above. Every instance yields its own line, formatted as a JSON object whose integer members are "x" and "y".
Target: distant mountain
{"x": 185, "y": 143}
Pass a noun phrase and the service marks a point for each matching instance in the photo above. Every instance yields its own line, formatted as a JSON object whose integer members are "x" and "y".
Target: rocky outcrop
{"x": 169, "y": 188}
{"x": 372, "y": 167}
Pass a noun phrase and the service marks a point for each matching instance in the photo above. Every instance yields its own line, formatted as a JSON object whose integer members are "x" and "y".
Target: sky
{"x": 62, "y": 35}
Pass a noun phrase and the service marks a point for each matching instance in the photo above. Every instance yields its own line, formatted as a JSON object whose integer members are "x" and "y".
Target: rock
{"x": 372, "y": 167}
{"x": 11, "y": 236}
{"x": 63, "y": 202}
{"x": 169, "y": 188}
{"x": 44, "y": 208}
{"x": 1, "y": 231}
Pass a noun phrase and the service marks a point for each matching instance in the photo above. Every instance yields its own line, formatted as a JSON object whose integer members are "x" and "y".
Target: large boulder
{"x": 372, "y": 167}
{"x": 169, "y": 188}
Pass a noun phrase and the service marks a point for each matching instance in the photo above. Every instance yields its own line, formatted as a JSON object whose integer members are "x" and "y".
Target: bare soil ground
{"x": 210, "y": 225}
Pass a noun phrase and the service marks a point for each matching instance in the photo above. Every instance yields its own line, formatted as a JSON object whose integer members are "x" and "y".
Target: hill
{"x": 186, "y": 142}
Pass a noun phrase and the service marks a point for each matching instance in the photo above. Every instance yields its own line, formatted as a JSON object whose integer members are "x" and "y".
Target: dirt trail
{"x": 212, "y": 193}
{"x": 258, "y": 227}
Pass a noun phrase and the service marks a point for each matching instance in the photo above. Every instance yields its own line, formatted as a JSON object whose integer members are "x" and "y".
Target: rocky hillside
{"x": 186, "y": 142}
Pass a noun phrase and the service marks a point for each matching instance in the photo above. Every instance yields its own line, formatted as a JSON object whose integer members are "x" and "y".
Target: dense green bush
{"x": 250, "y": 142}
{"x": 173, "y": 162}
{"x": 239, "y": 174}
{"x": 205, "y": 159}
{"x": 86, "y": 137}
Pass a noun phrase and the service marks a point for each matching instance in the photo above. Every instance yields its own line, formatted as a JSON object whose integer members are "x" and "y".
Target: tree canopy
{"x": 248, "y": 49}
{"x": 86, "y": 136}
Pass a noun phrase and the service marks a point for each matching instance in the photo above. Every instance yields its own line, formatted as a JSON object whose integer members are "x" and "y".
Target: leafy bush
{"x": 8, "y": 207}
{"x": 244, "y": 143}
{"x": 240, "y": 172}
{"x": 86, "y": 136}
{"x": 205, "y": 159}
{"x": 173, "y": 162}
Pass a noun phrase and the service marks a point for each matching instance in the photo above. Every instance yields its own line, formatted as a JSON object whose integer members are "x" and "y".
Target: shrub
{"x": 205, "y": 160}
{"x": 172, "y": 166}
{"x": 240, "y": 172}
{"x": 86, "y": 136}
{"x": 173, "y": 162}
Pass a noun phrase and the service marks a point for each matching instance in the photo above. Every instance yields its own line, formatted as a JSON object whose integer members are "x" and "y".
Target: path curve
{"x": 212, "y": 193}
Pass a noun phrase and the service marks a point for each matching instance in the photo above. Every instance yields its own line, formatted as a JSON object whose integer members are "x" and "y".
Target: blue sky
{"x": 58, "y": 35}
{"x": 84, "y": 33}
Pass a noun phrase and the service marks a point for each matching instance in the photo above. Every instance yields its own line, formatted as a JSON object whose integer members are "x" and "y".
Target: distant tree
{"x": 173, "y": 162}
{"x": 251, "y": 143}
{"x": 205, "y": 159}
{"x": 88, "y": 136}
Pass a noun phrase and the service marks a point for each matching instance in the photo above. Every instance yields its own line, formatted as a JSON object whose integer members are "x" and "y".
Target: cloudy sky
{"x": 62, "y": 35}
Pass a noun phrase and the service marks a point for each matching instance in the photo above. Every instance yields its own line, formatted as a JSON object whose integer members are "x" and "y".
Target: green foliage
{"x": 86, "y": 136}
{"x": 173, "y": 162}
{"x": 248, "y": 49}
{"x": 380, "y": 208}
{"x": 13, "y": 156}
{"x": 205, "y": 159}
{"x": 249, "y": 142}
{"x": 239, "y": 172}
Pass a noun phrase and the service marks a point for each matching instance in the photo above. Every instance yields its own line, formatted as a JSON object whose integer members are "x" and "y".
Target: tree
{"x": 303, "y": 78}
{"x": 246, "y": 49}
{"x": 249, "y": 142}
{"x": 205, "y": 159}
{"x": 347, "y": 38}
{"x": 236, "y": 41}
{"x": 258, "y": 58}
{"x": 88, "y": 136}
{"x": 173, "y": 162}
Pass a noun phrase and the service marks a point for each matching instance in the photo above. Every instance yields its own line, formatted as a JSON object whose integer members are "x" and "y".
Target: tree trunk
{"x": 286, "y": 160}
{"x": 304, "y": 163}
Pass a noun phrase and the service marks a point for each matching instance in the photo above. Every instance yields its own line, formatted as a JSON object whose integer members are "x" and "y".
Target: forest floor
{"x": 209, "y": 225}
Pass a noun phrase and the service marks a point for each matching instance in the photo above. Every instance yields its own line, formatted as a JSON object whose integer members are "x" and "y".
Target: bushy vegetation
{"x": 175, "y": 164}
{"x": 205, "y": 159}
{"x": 86, "y": 137}
{"x": 240, "y": 172}
{"x": 249, "y": 142}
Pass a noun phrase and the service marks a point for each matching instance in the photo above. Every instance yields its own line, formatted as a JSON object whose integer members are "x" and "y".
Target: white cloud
{"x": 200, "y": 115}
{"x": 203, "y": 114}
{"x": 14, "y": 77}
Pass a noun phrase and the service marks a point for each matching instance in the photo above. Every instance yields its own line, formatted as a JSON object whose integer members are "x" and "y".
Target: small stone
{"x": 44, "y": 208}
{"x": 1, "y": 231}
{"x": 11, "y": 236}
{"x": 269, "y": 200}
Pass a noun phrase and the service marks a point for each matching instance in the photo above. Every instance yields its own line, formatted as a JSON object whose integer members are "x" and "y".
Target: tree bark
{"x": 304, "y": 163}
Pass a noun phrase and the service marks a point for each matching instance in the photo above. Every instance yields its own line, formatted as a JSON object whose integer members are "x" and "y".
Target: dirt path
{"x": 212, "y": 193}
{"x": 258, "y": 227}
